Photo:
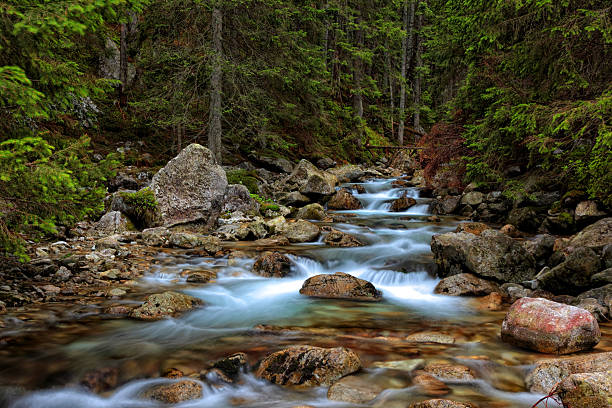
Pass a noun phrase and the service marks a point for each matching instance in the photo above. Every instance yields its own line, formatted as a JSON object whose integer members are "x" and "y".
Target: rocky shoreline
{"x": 555, "y": 288}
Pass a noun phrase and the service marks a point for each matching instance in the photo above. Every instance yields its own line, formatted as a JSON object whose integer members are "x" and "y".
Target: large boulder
{"x": 238, "y": 198}
{"x": 572, "y": 276}
{"x": 586, "y": 390}
{"x": 344, "y": 200}
{"x": 547, "y": 373}
{"x": 466, "y": 284}
{"x": 475, "y": 228}
{"x": 595, "y": 236}
{"x": 472, "y": 198}
{"x": 587, "y": 211}
{"x": 340, "y": 286}
{"x": 272, "y": 265}
{"x": 491, "y": 255}
{"x": 446, "y": 205}
{"x": 167, "y": 304}
{"x": 190, "y": 188}
{"x": 309, "y": 180}
{"x": 549, "y": 327}
{"x": 308, "y": 366}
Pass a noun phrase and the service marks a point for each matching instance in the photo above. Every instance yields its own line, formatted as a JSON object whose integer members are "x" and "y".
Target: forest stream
{"x": 247, "y": 313}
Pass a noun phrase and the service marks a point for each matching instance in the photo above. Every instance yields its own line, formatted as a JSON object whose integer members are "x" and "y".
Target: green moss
{"x": 244, "y": 177}
{"x": 267, "y": 206}
{"x": 142, "y": 201}
{"x": 566, "y": 217}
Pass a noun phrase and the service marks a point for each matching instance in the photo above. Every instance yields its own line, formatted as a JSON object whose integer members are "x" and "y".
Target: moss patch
{"x": 244, "y": 177}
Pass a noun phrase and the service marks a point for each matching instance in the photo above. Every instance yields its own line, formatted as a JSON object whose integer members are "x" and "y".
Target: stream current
{"x": 256, "y": 315}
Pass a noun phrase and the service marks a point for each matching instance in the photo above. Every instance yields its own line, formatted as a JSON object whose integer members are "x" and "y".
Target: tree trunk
{"x": 389, "y": 81}
{"x": 406, "y": 60}
{"x": 357, "y": 87}
{"x": 123, "y": 65}
{"x": 214, "y": 129}
{"x": 418, "y": 76}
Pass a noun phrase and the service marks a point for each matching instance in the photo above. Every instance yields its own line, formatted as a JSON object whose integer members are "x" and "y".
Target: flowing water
{"x": 255, "y": 315}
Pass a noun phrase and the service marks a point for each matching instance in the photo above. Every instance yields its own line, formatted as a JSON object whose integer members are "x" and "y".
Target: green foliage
{"x": 42, "y": 187}
{"x": 528, "y": 82}
{"x": 244, "y": 177}
{"x": 141, "y": 202}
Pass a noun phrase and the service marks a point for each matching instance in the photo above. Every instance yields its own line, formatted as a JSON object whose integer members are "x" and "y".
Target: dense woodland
{"x": 482, "y": 85}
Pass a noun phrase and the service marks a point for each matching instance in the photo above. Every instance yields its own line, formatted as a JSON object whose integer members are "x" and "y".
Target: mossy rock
{"x": 244, "y": 177}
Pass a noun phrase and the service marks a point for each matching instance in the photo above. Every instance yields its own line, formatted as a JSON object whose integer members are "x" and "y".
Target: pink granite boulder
{"x": 549, "y": 327}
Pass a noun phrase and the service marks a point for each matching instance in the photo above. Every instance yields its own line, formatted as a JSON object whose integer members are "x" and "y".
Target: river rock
{"x": 572, "y": 276}
{"x": 587, "y": 211}
{"x": 595, "y": 236}
{"x": 446, "y": 205}
{"x": 325, "y": 163}
{"x": 348, "y": 173}
{"x": 300, "y": 231}
{"x": 229, "y": 368}
{"x": 446, "y": 371}
{"x": 238, "y": 198}
{"x": 344, "y": 200}
{"x": 510, "y": 230}
{"x": 293, "y": 198}
{"x": 430, "y": 385}
{"x": 402, "y": 204}
{"x": 354, "y": 389}
{"x": 341, "y": 239}
{"x": 161, "y": 305}
{"x": 311, "y": 212}
{"x": 549, "y": 327}
{"x": 592, "y": 305}
{"x": 110, "y": 242}
{"x": 472, "y": 227}
{"x": 203, "y": 276}
{"x": 430, "y": 337}
{"x": 174, "y": 393}
{"x": 340, "y": 286}
{"x": 473, "y": 198}
{"x": 489, "y": 255}
{"x": 308, "y": 366}
{"x": 466, "y": 284}
{"x": 586, "y": 390}
{"x": 547, "y": 373}
{"x": 190, "y": 188}
{"x": 111, "y": 223}
{"x": 157, "y": 236}
{"x": 311, "y": 181}
{"x": 272, "y": 265}
{"x": 441, "y": 403}
{"x": 602, "y": 278}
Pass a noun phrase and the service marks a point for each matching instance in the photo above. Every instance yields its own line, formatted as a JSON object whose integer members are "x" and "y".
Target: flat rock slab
{"x": 549, "y": 327}
{"x": 587, "y": 390}
{"x": 441, "y": 403}
{"x": 176, "y": 392}
{"x": 308, "y": 366}
{"x": 340, "y": 286}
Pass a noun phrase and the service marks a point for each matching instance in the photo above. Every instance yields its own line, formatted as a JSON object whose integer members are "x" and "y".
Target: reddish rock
{"x": 272, "y": 265}
{"x": 176, "y": 392}
{"x": 344, "y": 200}
{"x": 510, "y": 230}
{"x": 340, "y": 286}
{"x": 472, "y": 227}
{"x": 308, "y": 366}
{"x": 493, "y": 301}
{"x": 161, "y": 305}
{"x": 549, "y": 327}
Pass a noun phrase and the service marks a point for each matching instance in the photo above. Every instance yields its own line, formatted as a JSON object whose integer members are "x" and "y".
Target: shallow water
{"x": 258, "y": 315}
